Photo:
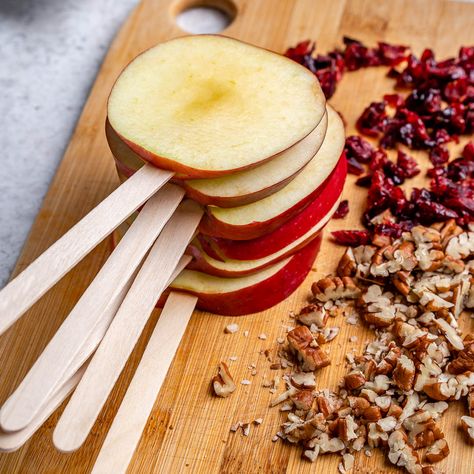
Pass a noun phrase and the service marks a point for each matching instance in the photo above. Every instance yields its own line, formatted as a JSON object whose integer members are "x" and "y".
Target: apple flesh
{"x": 208, "y": 105}
{"x": 258, "y": 218}
{"x": 251, "y": 293}
{"x": 239, "y": 188}
{"x": 314, "y": 213}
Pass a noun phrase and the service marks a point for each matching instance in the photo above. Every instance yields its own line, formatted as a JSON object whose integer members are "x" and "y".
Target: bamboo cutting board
{"x": 188, "y": 430}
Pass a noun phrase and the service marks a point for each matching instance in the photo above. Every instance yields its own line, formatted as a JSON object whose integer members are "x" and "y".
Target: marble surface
{"x": 50, "y": 51}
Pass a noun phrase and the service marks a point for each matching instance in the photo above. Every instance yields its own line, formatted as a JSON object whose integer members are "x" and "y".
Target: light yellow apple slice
{"x": 239, "y": 188}
{"x": 251, "y": 185}
{"x": 209, "y": 105}
{"x": 260, "y": 217}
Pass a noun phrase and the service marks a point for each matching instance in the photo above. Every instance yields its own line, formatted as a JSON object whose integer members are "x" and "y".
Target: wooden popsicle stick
{"x": 124, "y": 331}
{"x": 96, "y": 307}
{"x": 33, "y": 282}
{"x": 99, "y": 332}
{"x": 131, "y": 418}
{"x": 13, "y": 441}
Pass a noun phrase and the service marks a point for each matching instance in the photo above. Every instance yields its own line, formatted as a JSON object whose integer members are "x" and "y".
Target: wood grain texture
{"x": 188, "y": 430}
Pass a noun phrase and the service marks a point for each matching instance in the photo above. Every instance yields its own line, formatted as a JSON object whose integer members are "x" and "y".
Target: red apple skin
{"x": 291, "y": 230}
{"x": 183, "y": 171}
{"x": 213, "y": 227}
{"x": 262, "y": 295}
{"x": 199, "y": 263}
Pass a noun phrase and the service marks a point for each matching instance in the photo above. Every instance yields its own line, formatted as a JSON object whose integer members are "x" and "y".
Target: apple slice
{"x": 204, "y": 262}
{"x": 263, "y": 216}
{"x": 293, "y": 229}
{"x": 209, "y": 105}
{"x": 238, "y": 188}
{"x": 251, "y": 293}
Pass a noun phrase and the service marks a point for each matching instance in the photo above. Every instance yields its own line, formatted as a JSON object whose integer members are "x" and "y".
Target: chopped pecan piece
{"x": 437, "y": 451}
{"x": 346, "y": 428}
{"x": 306, "y": 349}
{"x": 347, "y": 266}
{"x": 422, "y": 430}
{"x": 464, "y": 361}
{"x": 402, "y": 454}
{"x": 334, "y": 288}
{"x": 404, "y": 373}
{"x": 467, "y": 423}
{"x": 450, "y": 334}
{"x": 303, "y": 380}
{"x": 303, "y": 400}
{"x": 327, "y": 405}
{"x": 313, "y": 314}
{"x": 354, "y": 380}
{"x": 372, "y": 414}
{"x": 379, "y": 309}
{"x": 223, "y": 383}
{"x": 358, "y": 404}
{"x": 461, "y": 246}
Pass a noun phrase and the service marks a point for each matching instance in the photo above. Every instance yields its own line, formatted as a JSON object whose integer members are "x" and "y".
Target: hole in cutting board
{"x": 205, "y": 16}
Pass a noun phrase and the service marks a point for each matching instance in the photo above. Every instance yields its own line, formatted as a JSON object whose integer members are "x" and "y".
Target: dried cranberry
{"x": 429, "y": 211}
{"x": 342, "y": 210}
{"x": 392, "y": 229}
{"x": 456, "y": 91}
{"x": 439, "y": 155}
{"x": 393, "y": 100}
{"x": 300, "y": 51}
{"x": 424, "y": 101}
{"x": 354, "y": 167}
{"x": 451, "y": 119}
{"x": 379, "y": 159}
{"x": 407, "y": 165}
{"x": 468, "y": 152}
{"x": 460, "y": 169}
{"x": 391, "y": 54}
{"x": 373, "y": 118}
{"x": 358, "y": 148}
{"x": 364, "y": 181}
{"x": 352, "y": 238}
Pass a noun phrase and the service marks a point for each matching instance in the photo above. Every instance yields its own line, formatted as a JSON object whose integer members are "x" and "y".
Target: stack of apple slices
{"x": 258, "y": 147}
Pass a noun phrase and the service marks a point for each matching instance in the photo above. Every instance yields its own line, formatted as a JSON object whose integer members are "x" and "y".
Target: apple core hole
{"x": 205, "y": 16}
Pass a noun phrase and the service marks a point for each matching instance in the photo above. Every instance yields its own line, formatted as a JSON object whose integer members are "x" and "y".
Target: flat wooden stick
{"x": 124, "y": 331}
{"x": 13, "y": 441}
{"x": 92, "y": 313}
{"x": 33, "y": 282}
{"x": 131, "y": 418}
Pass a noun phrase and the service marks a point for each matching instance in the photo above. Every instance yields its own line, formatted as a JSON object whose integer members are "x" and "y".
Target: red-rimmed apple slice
{"x": 208, "y": 105}
{"x": 291, "y": 230}
{"x": 261, "y": 217}
{"x": 257, "y": 183}
{"x": 233, "y": 268}
{"x": 251, "y": 293}
{"x": 239, "y": 188}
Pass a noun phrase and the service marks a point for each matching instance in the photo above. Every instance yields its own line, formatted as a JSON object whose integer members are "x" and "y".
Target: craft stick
{"x": 131, "y": 418}
{"x": 13, "y": 441}
{"x": 124, "y": 331}
{"x": 93, "y": 312}
{"x": 33, "y": 282}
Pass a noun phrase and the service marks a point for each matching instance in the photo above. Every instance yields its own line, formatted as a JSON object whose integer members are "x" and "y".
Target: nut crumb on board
{"x": 231, "y": 328}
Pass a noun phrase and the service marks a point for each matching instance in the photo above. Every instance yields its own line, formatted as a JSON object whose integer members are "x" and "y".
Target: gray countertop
{"x": 50, "y": 52}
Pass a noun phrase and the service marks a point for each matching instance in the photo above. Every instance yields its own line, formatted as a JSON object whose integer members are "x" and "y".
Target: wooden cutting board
{"x": 188, "y": 430}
